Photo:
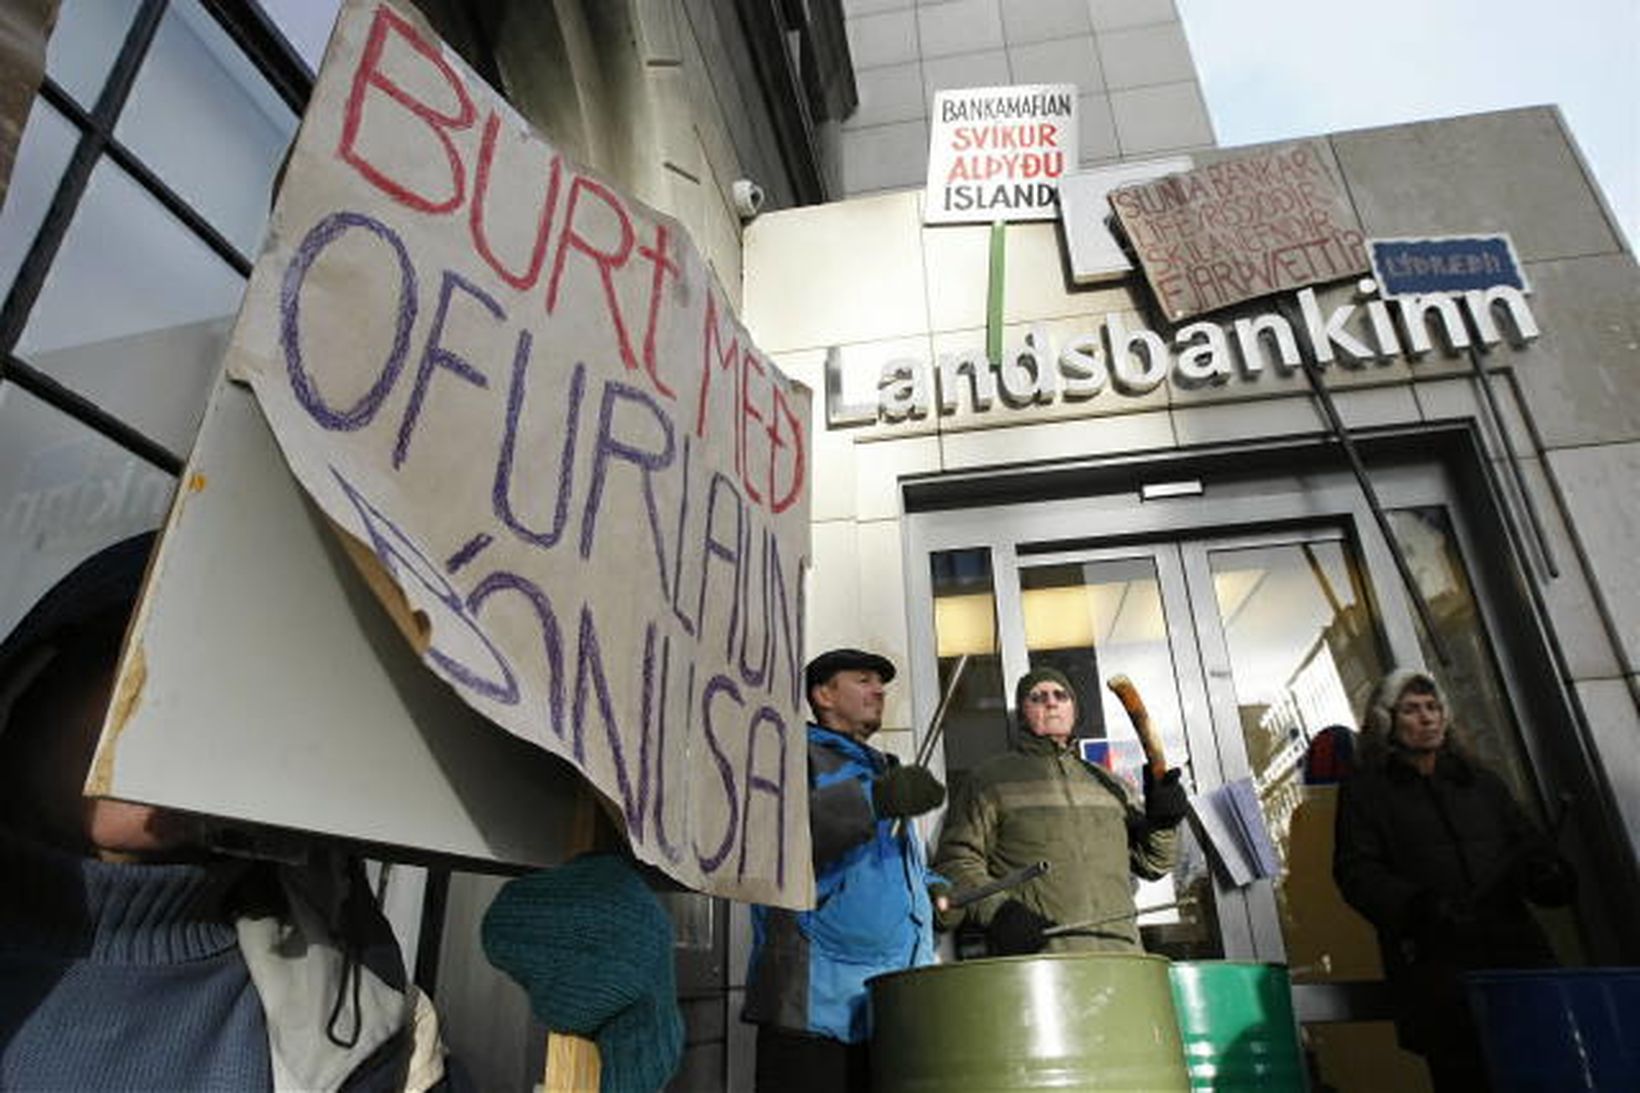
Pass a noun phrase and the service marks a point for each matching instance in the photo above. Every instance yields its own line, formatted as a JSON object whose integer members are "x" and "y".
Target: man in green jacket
{"x": 1042, "y": 802}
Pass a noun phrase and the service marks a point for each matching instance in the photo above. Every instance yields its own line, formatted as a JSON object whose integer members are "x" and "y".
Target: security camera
{"x": 747, "y": 197}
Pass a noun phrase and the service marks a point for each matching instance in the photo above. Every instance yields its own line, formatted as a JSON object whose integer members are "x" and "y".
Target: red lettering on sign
{"x": 368, "y": 76}
{"x": 660, "y": 257}
{"x": 607, "y": 260}
{"x": 481, "y": 190}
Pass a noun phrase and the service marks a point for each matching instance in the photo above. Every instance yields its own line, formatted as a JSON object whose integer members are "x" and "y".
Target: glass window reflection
{"x": 47, "y": 143}
{"x": 965, "y": 624}
{"x": 135, "y": 311}
{"x": 84, "y": 44}
{"x": 1304, "y": 656}
{"x": 207, "y": 123}
{"x": 65, "y": 493}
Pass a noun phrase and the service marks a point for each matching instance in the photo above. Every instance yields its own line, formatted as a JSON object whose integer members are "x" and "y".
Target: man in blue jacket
{"x": 805, "y": 988}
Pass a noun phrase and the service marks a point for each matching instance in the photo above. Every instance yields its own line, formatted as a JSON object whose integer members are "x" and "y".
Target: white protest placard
{"x": 526, "y": 394}
{"x": 997, "y": 153}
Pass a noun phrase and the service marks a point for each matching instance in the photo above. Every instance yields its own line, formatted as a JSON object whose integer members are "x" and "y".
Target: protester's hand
{"x": 1439, "y": 920}
{"x": 1545, "y": 878}
{"x": 1015, "y": 930}
{"x": 592, "y": 947}
{"x": 906, "y": 791}
{"x": 939, "y": 894}
{"x": 1166, "y": 802}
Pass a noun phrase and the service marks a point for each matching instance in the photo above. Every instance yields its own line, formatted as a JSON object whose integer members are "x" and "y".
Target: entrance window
{"x": 1474, "y": 688}
{"x": 1304, "y": 656}
{"x": 1093, "y": 620}
{"x": 965, "y": 624}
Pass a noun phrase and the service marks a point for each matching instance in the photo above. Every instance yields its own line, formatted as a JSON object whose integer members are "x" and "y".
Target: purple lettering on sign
{"x": 646, "y": 460}
{"x": 673, "y": 852}
{"x": 720, "y": 685}
{"x": 685, "y": 621}
{"x": 501, "y": 493}
{"x": 324, "y": 233}
{"x": 552, "y": 639}
{"x": 754, "y": 677}
{"x": 471, "y": 549}
{"x": 766, "y": 715}
{"x": 788, "y": 628}
{"x": 402, "y": 557}
{"x": 436, "y": 355}
{"x": 728, "y": 552}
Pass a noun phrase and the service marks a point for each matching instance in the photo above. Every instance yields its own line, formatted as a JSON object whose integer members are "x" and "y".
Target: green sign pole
{"x": 993, "y": 302}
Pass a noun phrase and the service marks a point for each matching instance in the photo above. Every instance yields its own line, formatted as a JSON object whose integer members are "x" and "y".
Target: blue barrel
{"x": 1566, "y": 1029}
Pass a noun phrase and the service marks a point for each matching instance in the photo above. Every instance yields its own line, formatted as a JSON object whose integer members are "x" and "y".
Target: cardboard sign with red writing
{"x": 525, "y": 393}
{"x": 997, "y": 153}
{"x": 1241, "y": 228}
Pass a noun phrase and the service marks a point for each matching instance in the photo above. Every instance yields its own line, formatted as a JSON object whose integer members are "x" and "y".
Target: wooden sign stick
{"x": 573, "y": 1065}
{"x": 1149, "y": 739}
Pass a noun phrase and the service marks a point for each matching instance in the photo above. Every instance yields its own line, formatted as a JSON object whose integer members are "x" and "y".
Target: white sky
{"x": 1273, "y": 69}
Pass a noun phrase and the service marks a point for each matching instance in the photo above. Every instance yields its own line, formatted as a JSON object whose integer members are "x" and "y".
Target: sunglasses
{"x": 1041, "y": 698}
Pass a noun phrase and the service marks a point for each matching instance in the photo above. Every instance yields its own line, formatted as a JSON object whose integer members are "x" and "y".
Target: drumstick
{"x": 1122, "y": 687}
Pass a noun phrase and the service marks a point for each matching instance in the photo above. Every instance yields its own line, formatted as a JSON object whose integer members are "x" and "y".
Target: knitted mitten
{"x": 592, "y": 947}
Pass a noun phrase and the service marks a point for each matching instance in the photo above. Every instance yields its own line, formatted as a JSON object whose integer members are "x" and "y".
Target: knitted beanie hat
{"x": 592, "y": 947}
{"x": 1037, "y": 675}
{"x": 1380, "y": 719}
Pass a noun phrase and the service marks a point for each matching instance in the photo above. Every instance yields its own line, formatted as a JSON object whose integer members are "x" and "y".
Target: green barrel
{"x": 1237, "y": 1021}
{"x": 1074, "y": 1021}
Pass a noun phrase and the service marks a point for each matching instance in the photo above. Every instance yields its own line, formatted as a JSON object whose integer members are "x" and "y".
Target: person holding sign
{"x": 1042, "y": 801}
{"x": 132, "y": 957}
{"x": 806, "y": 984}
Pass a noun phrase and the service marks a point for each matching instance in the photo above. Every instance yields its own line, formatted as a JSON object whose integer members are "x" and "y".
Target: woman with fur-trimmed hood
{"x": 1436, "y": 854}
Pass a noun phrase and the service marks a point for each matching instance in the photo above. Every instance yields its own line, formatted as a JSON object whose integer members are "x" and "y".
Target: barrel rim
{"x": 993, "y": 961}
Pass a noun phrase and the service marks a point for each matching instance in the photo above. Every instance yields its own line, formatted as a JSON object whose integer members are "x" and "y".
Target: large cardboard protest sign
{"x": 1241, "y": 228}
{"x": 526, "y": 394}
{"x": 997, "y": 153}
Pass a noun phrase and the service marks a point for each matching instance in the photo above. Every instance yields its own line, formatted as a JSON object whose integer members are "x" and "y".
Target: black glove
{"x": 1015, "y": 930}
{"x": 1545, "y": 878}
{"x": 1166, "y": 802}
{"x": 905, "y": 791}
{"x": 1437, "y": 920}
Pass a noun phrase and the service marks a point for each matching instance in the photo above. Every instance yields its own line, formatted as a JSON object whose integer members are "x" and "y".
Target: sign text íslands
{"x": 527, "y": 395}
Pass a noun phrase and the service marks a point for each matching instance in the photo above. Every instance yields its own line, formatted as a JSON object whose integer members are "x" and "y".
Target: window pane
{"x": 1474, "y": 688}
{"x": 1093, "y": 621}
{"x": 1304, "y": 656}
{"x": 65, "y": 493}
{"x": 203, "y": 119}
{"x": 965, "y": 623}
{"x": 135, "y": 311}
{"x": 48, "y": 142}
{"x": 306, "y": 25}
{"x": 84, "y": 43}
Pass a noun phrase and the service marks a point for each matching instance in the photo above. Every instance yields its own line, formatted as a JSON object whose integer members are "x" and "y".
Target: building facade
{"x": 1097, "y": 499}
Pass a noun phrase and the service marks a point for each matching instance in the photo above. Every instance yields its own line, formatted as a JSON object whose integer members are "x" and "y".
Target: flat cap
{"x": 827, "y": 664}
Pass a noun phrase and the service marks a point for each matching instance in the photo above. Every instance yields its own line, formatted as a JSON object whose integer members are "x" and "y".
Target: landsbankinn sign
{"x": 1130, "y": 361}
{"x": 997, "y": 153}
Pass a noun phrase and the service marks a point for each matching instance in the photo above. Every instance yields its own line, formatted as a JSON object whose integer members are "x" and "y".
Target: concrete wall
{"x": 1138, "y": 92}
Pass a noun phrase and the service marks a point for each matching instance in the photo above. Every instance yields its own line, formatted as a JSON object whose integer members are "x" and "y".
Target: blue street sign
{"x": 1453, "y": 263}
